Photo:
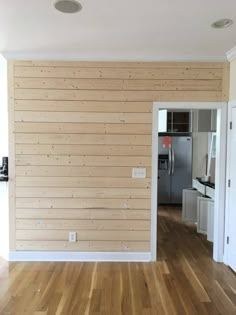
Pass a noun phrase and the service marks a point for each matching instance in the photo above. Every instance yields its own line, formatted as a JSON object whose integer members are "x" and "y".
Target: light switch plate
{"x": 72, "y": 236}
{"x": 138, "y": 172}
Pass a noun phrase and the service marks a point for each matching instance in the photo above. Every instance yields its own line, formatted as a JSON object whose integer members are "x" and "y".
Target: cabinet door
{"x": 213, "y": 120}
{"x": 202, "y": 215}
{"x": 182, "y": 121}
{"x": 169, "y": 121}
{"x": 189, "y": 212}
{"x": 210, "y": 221}
{"x": 204, "y": 120}
{"x": 162, "y": 120}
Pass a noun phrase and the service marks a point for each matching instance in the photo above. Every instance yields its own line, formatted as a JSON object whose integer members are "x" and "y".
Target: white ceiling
{"x": 117, "y": 30}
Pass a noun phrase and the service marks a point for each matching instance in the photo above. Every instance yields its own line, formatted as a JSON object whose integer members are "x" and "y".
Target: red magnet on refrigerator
{"x": 166, "y": 142}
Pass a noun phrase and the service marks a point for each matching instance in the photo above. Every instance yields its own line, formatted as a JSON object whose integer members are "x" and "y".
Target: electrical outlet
{"x": 72, "y": 237}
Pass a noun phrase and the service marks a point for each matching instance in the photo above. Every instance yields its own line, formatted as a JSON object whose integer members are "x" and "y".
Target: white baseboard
{"x": 79, "y": 256}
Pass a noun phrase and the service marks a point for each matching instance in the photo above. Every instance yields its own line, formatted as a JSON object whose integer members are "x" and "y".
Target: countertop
{"x": 209, "y": 184}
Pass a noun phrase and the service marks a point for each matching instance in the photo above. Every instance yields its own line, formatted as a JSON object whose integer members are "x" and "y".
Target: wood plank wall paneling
{"x": 78, "y": 128}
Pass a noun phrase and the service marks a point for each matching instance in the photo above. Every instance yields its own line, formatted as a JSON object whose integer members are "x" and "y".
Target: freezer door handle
{"x": 173, "y": 161}
{"x": 170, "y": 162}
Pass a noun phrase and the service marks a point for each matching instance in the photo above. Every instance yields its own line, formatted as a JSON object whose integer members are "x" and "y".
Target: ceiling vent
{"x": 68, "y": 6}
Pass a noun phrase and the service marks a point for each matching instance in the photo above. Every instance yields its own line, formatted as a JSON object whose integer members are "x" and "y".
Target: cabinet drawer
{"x": 195, "y": 184}
{"x": 201, "y": 188}
{"x": 210, "y": 192}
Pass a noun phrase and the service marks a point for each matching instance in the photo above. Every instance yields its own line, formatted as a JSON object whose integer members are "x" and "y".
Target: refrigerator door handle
{"x": 173, "y": 161}
{"x": 170, "y": 162}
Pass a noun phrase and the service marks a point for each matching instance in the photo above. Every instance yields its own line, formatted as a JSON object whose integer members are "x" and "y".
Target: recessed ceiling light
{"x": 223, "y": 23}
{"x": 68, "y": 6}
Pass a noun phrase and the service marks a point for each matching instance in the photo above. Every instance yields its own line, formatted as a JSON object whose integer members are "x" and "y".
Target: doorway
{"x": 220, "y": 174}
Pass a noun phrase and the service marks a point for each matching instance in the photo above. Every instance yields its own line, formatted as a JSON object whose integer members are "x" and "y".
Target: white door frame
{"x": 220, "y": 177}
{"x": 231, "y": 104}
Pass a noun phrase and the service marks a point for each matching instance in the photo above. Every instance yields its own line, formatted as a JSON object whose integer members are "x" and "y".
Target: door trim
{"x": 219, "y": 220}
{"x": 231, "y": 104}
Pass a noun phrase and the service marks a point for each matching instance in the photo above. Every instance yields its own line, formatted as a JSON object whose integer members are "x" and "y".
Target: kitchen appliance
{"x": 174, "y": 168}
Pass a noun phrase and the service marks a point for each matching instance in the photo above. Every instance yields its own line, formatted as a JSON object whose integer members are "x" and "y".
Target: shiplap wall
{"x": 78, "y": 129}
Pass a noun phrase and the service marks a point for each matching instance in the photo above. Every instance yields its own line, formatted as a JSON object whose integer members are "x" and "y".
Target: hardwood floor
{"x": 185, "y": 280}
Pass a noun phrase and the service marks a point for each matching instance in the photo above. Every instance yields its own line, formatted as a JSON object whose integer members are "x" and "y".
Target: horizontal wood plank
{"x": 172, "y": 85}
{"x": 83, "y": 139}
{"x": 137, "y": 193}
{"x": 117, "y": 73}
{"x": 116, "y": 64}
{"x": 95, "y": 150}
{"x": 105, "y": 95}
{"x": 78, "y": 117}
{"x": 82, "y": 235}
{"x": 79, "y": 203}
{"x": 68, "y": 84}
{"x": 80, "y": 171}
{"x": 44, "y": 224}
{"x": 84, "y": 214}
{"x": 118, "y": 182}
{"x": 83, "y": 106}
{"x": 83, "y": 128}
{"x": 63, "y": 160}
{"x": 126, "y": 85}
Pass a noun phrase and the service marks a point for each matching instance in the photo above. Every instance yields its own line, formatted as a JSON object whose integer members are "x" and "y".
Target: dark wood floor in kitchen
{"x": 185, "y": 280}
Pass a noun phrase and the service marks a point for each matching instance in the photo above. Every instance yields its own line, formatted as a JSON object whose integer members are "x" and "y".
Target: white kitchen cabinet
{"x": 210, "y": 221}
{"x": 205, "y": 217}
{"x": 175, "y": 121}
{"x": 202, "y": 215}
{"x": 204, "y": 120}
{"x": 189, "y": 212}
{"x": 162, "y": 120}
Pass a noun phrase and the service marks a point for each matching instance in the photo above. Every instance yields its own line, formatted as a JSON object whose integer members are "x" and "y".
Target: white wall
{"x": 4, "y": 211}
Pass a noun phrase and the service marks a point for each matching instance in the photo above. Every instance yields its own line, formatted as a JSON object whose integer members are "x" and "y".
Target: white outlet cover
{"x": 138, "y": 172}
{"x": 72, "y": 237}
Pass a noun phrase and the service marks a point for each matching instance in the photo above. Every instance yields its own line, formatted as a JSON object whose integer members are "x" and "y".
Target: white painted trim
{"x": 79, "y": 256}
{"x": 219, "y": 222}
{"x": 231, "y": 54}
{"x": 154, "y": 189}
{"x": 90, "y": 57}
{"x": 231, "y": 104}
{"x": 220, "y": 188}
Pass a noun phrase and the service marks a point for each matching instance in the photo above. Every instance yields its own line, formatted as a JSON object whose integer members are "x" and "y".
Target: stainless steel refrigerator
{"x": 174, "y": 169}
